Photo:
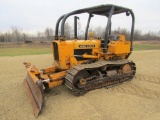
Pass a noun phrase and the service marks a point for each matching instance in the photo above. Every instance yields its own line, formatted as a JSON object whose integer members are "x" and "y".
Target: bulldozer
{"x": 83, "y": 65}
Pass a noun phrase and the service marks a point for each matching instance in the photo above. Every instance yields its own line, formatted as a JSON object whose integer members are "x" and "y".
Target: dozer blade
{"x": 35, "y": 93}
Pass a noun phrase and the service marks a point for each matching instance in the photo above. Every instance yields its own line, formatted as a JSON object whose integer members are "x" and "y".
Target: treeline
{"x": 17, "y": 35}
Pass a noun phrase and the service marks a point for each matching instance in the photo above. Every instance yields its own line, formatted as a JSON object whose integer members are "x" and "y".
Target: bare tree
{"x": 24, "y": 37}
{"x": 79, "y": 30}
{"x": 67, "y": 30}
{"x": 99, "y": 31}
{"x": 2, "y": 38}
{"x": 40, "y": 36}
{"x": 7, "y": 37}
{"x": 16, "y": 34}
{"x": 137, "y": 35}
{"x": 48, "y": 33}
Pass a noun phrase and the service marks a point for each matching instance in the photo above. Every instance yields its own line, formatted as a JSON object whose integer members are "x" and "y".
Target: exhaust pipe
{"x": 75, "y": 26}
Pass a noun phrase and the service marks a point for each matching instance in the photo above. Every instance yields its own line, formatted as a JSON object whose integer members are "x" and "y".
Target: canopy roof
{"x": 103, "y": 10}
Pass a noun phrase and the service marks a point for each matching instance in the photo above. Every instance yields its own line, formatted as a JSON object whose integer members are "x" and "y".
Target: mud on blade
{"x": 34, "y": 88}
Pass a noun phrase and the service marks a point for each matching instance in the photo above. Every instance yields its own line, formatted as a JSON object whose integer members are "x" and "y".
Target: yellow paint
{"x": 57, "y": 79}
{"x": 120, "y": 46}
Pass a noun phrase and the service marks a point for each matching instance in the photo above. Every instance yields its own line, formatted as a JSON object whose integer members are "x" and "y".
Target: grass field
{"x": 24, "y": 51}
{"x": 46, "y": 49}
{"x": 146, "y": 46}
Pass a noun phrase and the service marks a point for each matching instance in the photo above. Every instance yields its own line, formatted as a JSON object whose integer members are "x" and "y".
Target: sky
{"x": 36, "y": 15}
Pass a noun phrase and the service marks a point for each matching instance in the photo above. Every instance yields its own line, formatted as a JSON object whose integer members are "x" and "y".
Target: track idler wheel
{"x": 79, "y": 78}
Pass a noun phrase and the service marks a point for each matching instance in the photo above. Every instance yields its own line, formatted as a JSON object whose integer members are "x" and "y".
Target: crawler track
{"x": 101, "y": 80}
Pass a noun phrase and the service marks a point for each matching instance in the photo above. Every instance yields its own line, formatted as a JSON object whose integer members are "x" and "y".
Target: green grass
{"x": 43, "y": 50}
{"x": 146, "y": 47}
{"x": 24, "y": 51}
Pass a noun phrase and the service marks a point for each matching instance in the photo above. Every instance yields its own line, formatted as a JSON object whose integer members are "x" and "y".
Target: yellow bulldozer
{"x": 84, "y": 65}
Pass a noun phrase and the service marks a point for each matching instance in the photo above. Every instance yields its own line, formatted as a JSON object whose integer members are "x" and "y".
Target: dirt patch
{"x": 135, "y": 100}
